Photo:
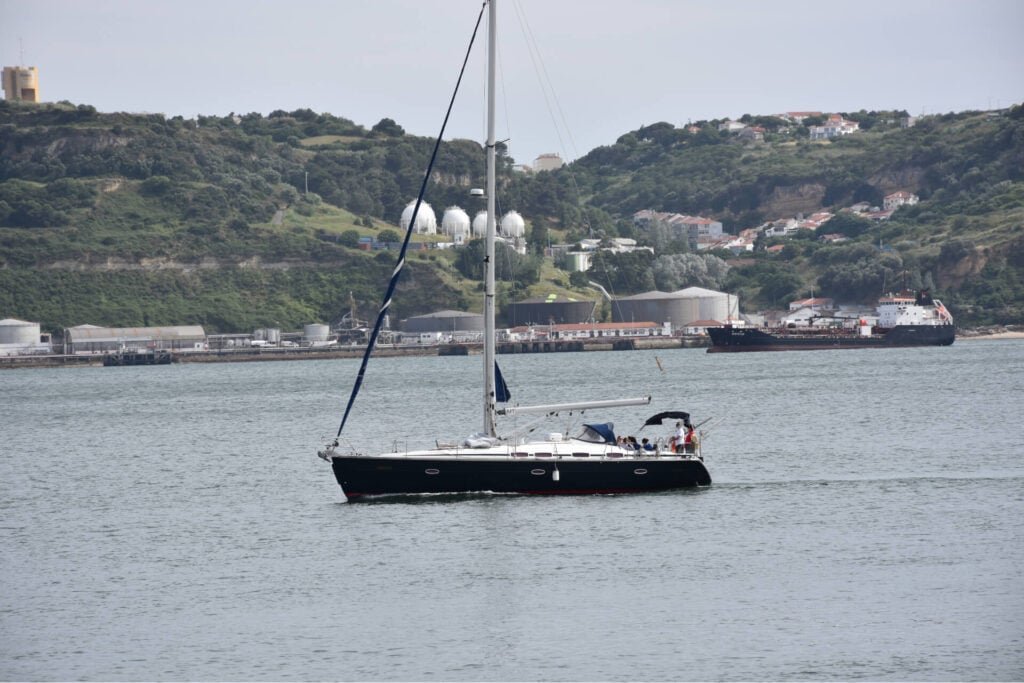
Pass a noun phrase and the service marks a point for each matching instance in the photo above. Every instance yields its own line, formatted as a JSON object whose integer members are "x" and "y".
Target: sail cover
{"x": 599, "y": 433}
{"x": 670, "y": 415}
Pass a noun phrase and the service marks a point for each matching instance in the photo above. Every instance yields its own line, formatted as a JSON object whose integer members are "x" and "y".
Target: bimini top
{"x": 671, "y": 415}
{"x": 599, "y": 433}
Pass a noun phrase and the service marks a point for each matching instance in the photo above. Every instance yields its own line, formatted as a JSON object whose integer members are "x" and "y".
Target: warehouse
{"x": 93, "y": 339}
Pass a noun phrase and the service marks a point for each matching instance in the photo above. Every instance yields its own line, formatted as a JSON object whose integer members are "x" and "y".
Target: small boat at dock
{"x": 138, "y": 357}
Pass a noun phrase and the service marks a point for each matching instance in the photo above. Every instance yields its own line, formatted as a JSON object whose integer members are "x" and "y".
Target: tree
{"x": 508, "y": 265}
{"x": 349, "y": 238}
{"x": 677, "y": 271}
{"x": 388, "y": 127}
{"x": 389, "y": 236}
{"x": 848, "y": 223}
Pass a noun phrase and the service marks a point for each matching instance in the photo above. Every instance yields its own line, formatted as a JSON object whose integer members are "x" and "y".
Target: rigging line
{"x": 545, "y": 85}
{"x": 400, "y": 262}
{"x": 535, "y": 48}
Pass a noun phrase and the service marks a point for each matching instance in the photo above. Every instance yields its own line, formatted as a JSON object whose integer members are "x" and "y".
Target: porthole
{"x": 640, "y": 470}
{"x": 431, "y": 470}
{"x": 537, "y": 472}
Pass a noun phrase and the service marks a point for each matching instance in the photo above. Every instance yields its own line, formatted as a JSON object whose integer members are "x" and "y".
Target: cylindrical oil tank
{"x": 444, "y": 321}
{"x": 316, "y": 333}
{"x": 680, "y": 308}
{"x": 711, "y": 305}
{"x": 549, "y": 310}
{"x": 18, "y": 332}
{"x": 271, "y": 335}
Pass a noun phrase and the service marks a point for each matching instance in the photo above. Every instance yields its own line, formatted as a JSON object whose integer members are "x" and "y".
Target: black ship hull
{"x": 753, "y": 339}
{"x": 361, "y": 476}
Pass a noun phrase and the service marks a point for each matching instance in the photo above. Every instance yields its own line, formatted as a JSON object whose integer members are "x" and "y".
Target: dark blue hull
{"x": 753, "y": 339}
{"x": 363, "y": 476}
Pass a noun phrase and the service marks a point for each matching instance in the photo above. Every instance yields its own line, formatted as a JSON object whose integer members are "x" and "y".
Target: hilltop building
{"x": 898, "y": 199}
{"x": 835, "y": 127}
{"x": 548, "y": 162}
{"x": 697, "y": 230}
{"x": 21, "y": 83}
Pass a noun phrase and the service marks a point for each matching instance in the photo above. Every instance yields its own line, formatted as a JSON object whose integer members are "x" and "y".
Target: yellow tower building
{"x": 21, "y": 83}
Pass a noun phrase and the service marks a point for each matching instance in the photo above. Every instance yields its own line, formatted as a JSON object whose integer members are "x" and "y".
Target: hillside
{"x": 120, "y": 219}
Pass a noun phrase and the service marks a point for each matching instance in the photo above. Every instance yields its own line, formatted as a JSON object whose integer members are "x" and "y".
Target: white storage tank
{"x": 271, "y": 335}
{"x": 513, "y": 225}
{"x": 426, "y": 221}
{"x": 680, "y": 308}
{"x": 316, "y": 333}
{"x": 18, "y": 332}
{"x": 455, "y": 223}
{"x": 480, "y": 224}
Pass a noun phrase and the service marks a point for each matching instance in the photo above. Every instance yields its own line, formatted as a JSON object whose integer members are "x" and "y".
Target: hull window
{"x": 537, "y": 472}
{"x": 432, "y": 471}
{"x": 640, "y": 471}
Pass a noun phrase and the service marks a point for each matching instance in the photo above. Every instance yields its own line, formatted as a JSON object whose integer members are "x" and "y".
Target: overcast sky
{"x": 612, "y": 66}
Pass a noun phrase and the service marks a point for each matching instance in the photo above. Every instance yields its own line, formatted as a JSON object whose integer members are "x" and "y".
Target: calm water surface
{"x": 866, "y": 522}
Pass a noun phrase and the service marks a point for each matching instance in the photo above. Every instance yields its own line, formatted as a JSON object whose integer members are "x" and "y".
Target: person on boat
{"x": 678, "y": 438}
{"x": 647, "y": 445}
{"x": 689, "y": 440}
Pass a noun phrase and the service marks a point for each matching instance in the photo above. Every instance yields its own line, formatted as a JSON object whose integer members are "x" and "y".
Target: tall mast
{"x": 489, "y": 398}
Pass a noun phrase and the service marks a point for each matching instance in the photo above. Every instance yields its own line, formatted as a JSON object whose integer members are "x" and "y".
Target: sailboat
{"x": 594, "y": 460}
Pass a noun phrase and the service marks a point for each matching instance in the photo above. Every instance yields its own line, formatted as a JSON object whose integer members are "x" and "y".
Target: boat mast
{"x": 490, "y": 428}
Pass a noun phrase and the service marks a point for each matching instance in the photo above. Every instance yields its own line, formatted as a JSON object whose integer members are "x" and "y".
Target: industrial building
{"x": 93, "y": 339}
{"x": 680, "y": 308}
{"x": 446, "y": 322}
{"x": 548, "y": 310}
{"x": 19, "y": 338}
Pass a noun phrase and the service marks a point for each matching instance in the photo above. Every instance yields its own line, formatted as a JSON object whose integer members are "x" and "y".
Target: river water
{"x": 170, "y": 523}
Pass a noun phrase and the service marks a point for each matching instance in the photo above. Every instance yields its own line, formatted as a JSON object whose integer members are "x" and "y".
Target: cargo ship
{"x": 905, "y": 319}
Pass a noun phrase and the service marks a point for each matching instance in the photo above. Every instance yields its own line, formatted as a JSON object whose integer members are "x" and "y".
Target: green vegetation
{"x": 242, "y": 221}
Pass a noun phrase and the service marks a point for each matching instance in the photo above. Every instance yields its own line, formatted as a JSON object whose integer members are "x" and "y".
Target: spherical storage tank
{"x": 455, "y": 222}
{"x": 513, "y": 225}
{"x": 480, "y": 224}
{"x": 18, "y": 332}
{"x": 426, "y": 221}
{"x": 316, "y": 332}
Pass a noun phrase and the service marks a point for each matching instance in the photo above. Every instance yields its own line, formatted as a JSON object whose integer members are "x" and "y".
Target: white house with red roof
{"x": 897, "y": 199}
{"x": 836, "y": 126}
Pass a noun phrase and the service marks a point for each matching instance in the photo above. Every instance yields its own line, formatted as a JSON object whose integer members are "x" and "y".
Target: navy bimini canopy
{"x": 599, "y": 433}
{"x": 670, "y": 415}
